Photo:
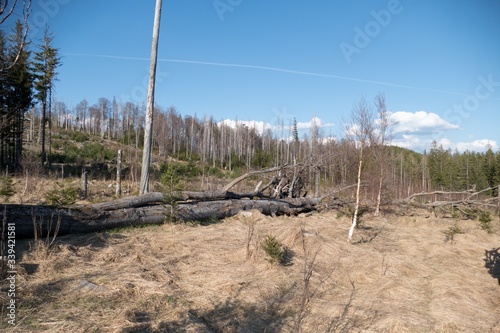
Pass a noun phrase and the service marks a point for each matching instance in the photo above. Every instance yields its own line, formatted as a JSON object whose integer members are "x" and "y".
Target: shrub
{"x": 90, "y": 152}
{"x": 274, "y": 249}
{"x": 182, "y": 169}
{"x": 451, "y": 232}
{"x": 485, "y": 221}
{"x": 214, "y": 171}
{"x": 71, "y": 152}
{"x": 78, "y": 136}
{"x": 62, "y": 195}
{"x": 6, "y": 186}
{"x": 56, "y": 144}
{"x": 171, "y": 186}
{"x": 93, "y": 151}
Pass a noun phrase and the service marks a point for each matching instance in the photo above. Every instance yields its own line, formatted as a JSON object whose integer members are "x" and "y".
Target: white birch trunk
{"x": 355, "y": 217}
{"x": 119, "y": 173}
{"x": 379, "y": 195}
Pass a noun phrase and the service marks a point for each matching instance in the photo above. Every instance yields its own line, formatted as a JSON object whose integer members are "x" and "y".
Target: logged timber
{"x": 87, "y": 219}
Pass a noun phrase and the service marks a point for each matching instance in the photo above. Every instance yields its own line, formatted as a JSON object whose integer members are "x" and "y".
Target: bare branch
{"x": 253, "y": 173}
{"x": 4, "y": 5}
{"x": 26, "y": 12}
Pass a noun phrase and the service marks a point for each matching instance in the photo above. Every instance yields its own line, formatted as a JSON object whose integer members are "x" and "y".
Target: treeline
{"x": 455, "y": 171}
{"x": 324, "y": 162}
{"x": 26, "y": 78}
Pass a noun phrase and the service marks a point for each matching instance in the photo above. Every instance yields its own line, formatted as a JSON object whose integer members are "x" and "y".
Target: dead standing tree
{"x": 380, "y": 137}
{"x": 148, "y": 138}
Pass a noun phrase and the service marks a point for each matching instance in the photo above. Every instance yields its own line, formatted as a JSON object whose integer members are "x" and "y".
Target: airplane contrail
{"x": 275, "y": 69}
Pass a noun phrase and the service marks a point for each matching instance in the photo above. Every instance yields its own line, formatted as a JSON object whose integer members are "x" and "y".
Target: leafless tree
{"x": 380, "y": 137}
{"x": 104, "y": 106}
{"x": 146, "y": 156}
{"x": 81, "y": 114}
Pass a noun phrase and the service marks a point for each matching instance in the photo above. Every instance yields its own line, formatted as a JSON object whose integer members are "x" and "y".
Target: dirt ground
{"x": 399, "y": 274}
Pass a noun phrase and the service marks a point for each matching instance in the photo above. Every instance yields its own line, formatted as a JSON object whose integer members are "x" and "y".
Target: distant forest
{"x": 218, "y": 147}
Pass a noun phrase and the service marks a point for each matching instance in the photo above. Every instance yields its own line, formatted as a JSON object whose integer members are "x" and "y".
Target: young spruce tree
{"x": 46, "y": 62}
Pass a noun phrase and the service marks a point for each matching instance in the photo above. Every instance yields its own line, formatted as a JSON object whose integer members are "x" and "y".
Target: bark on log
{"x": 150, "y": 208}
{"x": 77, "y": 220}
{"x": 87, "y": 219}
{"x": 157, "y": 198}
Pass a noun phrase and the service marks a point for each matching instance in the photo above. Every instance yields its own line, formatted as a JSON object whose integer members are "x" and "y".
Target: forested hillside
{"x": 218, "y": 147}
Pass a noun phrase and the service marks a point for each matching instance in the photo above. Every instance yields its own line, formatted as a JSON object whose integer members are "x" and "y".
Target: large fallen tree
{"x": 46, "y": 220}
{"x": 41, "y": 221}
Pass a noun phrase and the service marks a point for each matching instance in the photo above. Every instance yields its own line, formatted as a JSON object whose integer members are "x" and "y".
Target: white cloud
{"x": 417, "y": 143}
{"x": 259, "y": 126}
{"x": 477, "y": 145}
{"x": 420, "y": 122}
{"x": 314, "y": 121}
{"x": 412, "y": 142}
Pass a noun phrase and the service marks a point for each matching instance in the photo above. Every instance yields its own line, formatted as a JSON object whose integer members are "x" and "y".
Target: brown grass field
{"x": 400, "y": 274}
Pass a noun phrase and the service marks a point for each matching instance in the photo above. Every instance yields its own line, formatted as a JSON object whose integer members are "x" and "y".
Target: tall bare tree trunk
{"x": 379, "y": 195}
{"x": 146, "y": 156}
{"x": 378, "y": 139}
{"x": 317, "y": 176}
{"x": 42, "y": 127}
{"x": 119, "y": 173}
{"x": 84, "y": 184}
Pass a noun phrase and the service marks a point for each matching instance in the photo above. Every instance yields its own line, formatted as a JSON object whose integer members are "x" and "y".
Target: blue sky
{"x": 437, "y": 62}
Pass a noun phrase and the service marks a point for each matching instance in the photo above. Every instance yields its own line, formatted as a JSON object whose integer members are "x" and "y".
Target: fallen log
{"x": 48, "y": 220}
{"x": 150, "y": 208}
{"x": 157, "y": 198}
{"x": 447, "y": 206}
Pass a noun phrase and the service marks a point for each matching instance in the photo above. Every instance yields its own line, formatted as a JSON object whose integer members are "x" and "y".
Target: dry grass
{"x": 398, "y": 275}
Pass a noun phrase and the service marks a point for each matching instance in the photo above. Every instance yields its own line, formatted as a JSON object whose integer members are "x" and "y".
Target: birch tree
{"x": 380, "y": 137}
{"x": 360, "y": 129}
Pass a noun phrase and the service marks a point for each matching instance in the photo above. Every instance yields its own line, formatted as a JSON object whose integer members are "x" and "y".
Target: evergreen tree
{"x": 46, "y": 62}
{"x": 296, "y": 143}
{"x": 489, "y": 166}
{"x": 15, "y": 95}
{"x": 496, "y": 177}
{"x": 435, "y": 163}
{"x": 295, "y": 132}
